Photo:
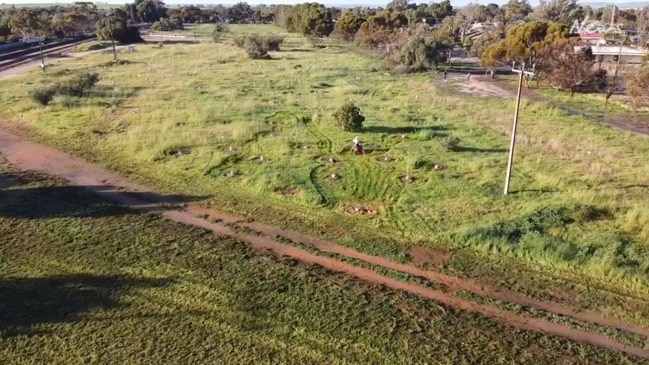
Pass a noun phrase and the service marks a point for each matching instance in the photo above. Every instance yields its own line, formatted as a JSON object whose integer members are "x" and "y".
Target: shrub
{"x": 78, "y": 85}
{"x": 349, "y": 117}
{"x": 256, "y": 47}
{"x": 314, "y": 41}
{"x": 451, "y": 143}
{"x": 273, "y": 42}
{"x": 165, "y": 24}
{"x": 239, "y": 41}
{"x": 219, "y": 29}
{"x": 43, "y": 96}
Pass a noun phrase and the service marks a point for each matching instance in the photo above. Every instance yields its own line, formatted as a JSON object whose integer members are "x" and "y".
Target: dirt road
{"x": 31, "y": 156}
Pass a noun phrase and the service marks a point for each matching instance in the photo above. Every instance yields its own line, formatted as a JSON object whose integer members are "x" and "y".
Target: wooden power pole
{"x": 510, "y": 161}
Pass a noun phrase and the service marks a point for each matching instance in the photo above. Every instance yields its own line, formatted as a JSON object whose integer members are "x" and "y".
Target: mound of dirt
{"x": 407, "y": 179}
{"x": 330, "y": 160}
{"x": 287, "y": 191}
{"x": 384, "y": 159}
{"x": 361, "y": 210}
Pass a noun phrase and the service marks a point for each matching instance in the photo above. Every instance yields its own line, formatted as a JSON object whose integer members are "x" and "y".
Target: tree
{"x": 441, "y": 10}
{"x": 514, "y": 11}
{"x": 30, "y": 23}
{"x": 567, "y": 66}
{"x": 149, "y": 11}
{"x": 349, "y": 117}
{"x": 642, "y": 25}
{"x": 310, "y": 19}
{"x": 638, "y": 87}
{"x": 419, "y": 51}
{"x": 494, "y": 55}
{"x": 348, "y": 25}
{"x": 239, "y": 13}
{"x": 559, "y": 11}
{"x": 491, "y": 36}
{"x": 524, "y": 43}
{"x": 164, "y": 24}
{"x": 114, "y": 27}
{"x": 465, "y": 17}
{"x": 379, "y": 29}
{"x": 397, "y": 5}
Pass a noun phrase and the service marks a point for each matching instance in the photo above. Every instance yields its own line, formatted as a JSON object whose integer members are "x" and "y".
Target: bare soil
{"x": 31, "y": 156}
{"x": 288, "y": 191}
{"x": 361, "y": 210}
{"x": 426, "y": 257}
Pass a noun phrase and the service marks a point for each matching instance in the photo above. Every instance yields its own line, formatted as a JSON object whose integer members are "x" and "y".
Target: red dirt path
{"x": 32, "y": 156}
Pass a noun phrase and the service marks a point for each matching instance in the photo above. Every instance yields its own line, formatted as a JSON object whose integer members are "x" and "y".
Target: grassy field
{"x": 256, "y": 135}
{"x": 85, "y": 281}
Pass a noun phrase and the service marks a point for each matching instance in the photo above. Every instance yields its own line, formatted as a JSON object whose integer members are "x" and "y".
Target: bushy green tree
{"x": 526, "y": 43}
{"x": 349, "y": 117}
{"x": 348, "y": 24}
{"x": 418, "y": 51}
{"x": 110, "y": 27}
{"x": 164, "y": 24}
{"x": 379, "y": 29}
{"x": 310, "y": 19}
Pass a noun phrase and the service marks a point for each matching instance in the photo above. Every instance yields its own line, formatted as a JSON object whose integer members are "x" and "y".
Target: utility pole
{"x": 40, "y": 47}
{"x": 510, "y": 161}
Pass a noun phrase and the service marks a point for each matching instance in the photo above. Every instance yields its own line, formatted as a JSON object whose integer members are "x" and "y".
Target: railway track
{"x": 17, "y": 58}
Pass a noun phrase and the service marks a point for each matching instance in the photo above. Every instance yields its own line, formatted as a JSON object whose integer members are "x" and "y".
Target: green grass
{"x": 92, "y": 46}
{"x": 86, "y": 281}
{"x": 225, "y": 111}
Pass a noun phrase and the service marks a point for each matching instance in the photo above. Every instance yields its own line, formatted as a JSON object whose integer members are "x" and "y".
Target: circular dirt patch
{"x": 361, "y": 210}
{"x": 384, "y": 159}
{"x": 330, "y": 160}
{"x": 333, "y": 177}
{"x": 407, "y": 179}
{"x": 288, "y": 191}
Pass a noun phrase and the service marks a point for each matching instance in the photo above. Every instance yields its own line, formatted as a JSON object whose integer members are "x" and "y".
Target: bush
{"x": 219, "y": 29}
{"x": 314, "y": 41}
{"x": 165, "y": 25}
{"x": 349, "y": 117}
{"x": 78, "y": 85}
{"x": 256, "y": 47}
{"x": 451, "y": 143}
{"x": 273, "y": 42}
{"x": 239, "y": 41}
{"x": 43, "y": 96}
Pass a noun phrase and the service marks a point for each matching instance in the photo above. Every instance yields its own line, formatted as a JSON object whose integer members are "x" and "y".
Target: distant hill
{"x": 629, "y": 5}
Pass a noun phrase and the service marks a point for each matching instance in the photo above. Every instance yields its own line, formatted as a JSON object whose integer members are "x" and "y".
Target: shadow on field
{"x": 20, "y": 200}
{"x": 400, "y": 130}
{"x": 481, "y": 150}
{"x": 29, "y": 302}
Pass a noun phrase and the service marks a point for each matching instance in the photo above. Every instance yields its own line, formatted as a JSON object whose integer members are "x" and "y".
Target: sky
{"x": 326, "y": 2}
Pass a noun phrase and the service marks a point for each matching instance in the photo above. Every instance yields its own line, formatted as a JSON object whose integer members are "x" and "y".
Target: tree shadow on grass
{"x": 480, "y": 150}
{"x": 401, "y": 130}
{"x": 29, "y": 302}
{"x": 19, "y": 198}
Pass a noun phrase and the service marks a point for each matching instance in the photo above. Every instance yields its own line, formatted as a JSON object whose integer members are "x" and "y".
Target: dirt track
{"x": 31, "y": 156}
